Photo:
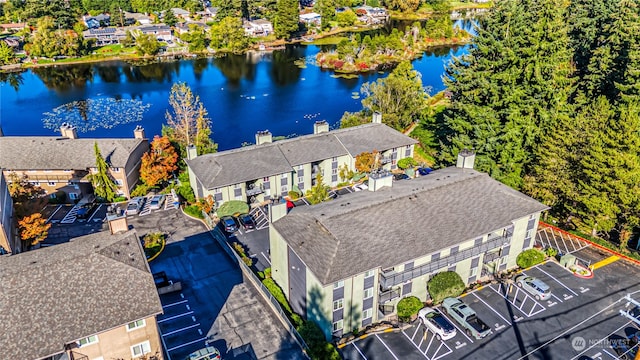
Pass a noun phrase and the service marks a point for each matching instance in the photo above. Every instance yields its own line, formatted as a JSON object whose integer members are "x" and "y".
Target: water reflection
{"x": 65, "y": 78}
{"x": 13, "y": 79}
{"x": 109, "y": 72}
{"x": 235, "y": 68}
{"x": 283, "y": 70}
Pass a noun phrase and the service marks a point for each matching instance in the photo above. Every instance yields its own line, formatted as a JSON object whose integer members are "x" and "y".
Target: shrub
{"x": 445, "y": 284}
{"x": 551, "y": 252}
{"x": 406, "y": 163}
{"x": 277, "y": 293}
{"x": 119, "y": 199}
{"x": 153, "y": 239}
{"x": 529, "y": 258}
{"x": 293, "y": 195}
{"x": 408, "y": 307}
{"x": 194, "y": 210}
{"x": 232, "y": 207}
{"x": 141, "y": 189}
{"x": 319, "y": 348}
{"x": 267, "y": 273}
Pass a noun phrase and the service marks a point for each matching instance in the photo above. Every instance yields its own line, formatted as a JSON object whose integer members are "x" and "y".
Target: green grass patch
{"x": 232, "y": 207}
{"x": 329, "y": 40}
{"x": 194, "y": 210}
{"x": 153, "y": 243}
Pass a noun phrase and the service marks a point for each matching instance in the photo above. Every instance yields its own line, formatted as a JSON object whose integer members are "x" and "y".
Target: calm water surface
{"x": 243, "y": 94}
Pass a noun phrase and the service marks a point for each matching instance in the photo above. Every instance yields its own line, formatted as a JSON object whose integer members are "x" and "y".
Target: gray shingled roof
{"x": 56, "y": 295}
{"x": 239, "y": 165}
{"x": 59, "y": 153}
{"x": 414, "y": 218}
{"x": 258, "y": 161}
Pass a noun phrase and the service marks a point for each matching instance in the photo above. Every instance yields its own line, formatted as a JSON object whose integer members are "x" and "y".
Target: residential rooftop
{"x": 61, "y": 153}
{"x": 56, "y": 295}
{"x": 413, "y": 218}
{"x": 257, "y": 161}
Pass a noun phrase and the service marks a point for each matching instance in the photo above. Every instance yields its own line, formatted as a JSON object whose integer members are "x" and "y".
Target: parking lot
{"x": 255, "y": 241}
{"x": 580, "y": 319}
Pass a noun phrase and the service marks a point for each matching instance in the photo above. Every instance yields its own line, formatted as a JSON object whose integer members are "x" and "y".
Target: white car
{"x": 437, "y": 323}
{"x": 156, "y": 202}
{"x": 534, "y": 286}
{"x": 134, "y": 206}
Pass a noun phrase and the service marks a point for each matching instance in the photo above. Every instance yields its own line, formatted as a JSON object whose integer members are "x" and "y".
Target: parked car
{"x": 360, "y": 187}
{"x": 207, "y": 353}
{"x": 402, "y": 176}
{"x": 247, "y": 221}
{"x": 424, "y": 171}
{"x": 85, "y": 211}
{"x": 433, "y": 320}
{"x": 156, "y": 202}
{"x": 466, "y": 317}
{"x": 134, "y": 206}
{"x": 534, "y": 286}
{"x": 229, "y": 224}
{"x": 625, "y": 347}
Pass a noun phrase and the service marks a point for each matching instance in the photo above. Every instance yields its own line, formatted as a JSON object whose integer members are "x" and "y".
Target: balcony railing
{"x": 387, "y": 280}
{"x": 386, "y": 309}
{"x": 76, "y": 176}
{"x": 253, "y": 190}
{"x": 388, "y": 295}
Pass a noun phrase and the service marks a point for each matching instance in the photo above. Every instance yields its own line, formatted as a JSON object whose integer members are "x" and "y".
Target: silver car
{"x": 134, "y": 206}
{"x": 534, "y": 286}
{"x": 156, "y": 202}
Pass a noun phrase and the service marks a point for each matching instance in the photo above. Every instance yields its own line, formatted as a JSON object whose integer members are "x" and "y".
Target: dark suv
{"x": 229, "y": 224}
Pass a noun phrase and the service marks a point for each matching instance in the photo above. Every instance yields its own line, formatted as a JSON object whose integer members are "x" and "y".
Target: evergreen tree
{"x": 610, "y": 181}
{"x": 286, "y": 19}
{"x": 104, "y": 186}
{"x": 512, "y": 89}
{"x": 169, "y": 18}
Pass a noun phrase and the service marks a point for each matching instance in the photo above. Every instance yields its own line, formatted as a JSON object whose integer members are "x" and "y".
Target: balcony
{"x": 385, "y": 160}
{"x": 75, "y": 176}
{"x": 253, "y": 189}
{"x": 387, "y": 280}
{"x": 386, "y": 296}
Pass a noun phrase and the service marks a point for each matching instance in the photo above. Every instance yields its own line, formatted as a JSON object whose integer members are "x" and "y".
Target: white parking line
{"x": 385, "y": 345}
{"x": 414, "y": 344}
{"x": 522, "y": 302}
{"x": 359, "y": 352}
{"x": 558, "y": 281}
{"x": 266, "y": 258}
{"x": 95, "y": 212}
{"x": 183, "y": 329}
{"x": 601, "y": 340}
{"x": 492, "y": 309}
{"x": 610, "y": 354}
{"x": 175, "y": 316}
{"x": 175, "y": 303}
{"x": 54, "y": 212}
{"x": 185, "y": 344}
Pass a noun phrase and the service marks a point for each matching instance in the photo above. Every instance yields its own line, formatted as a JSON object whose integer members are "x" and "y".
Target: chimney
{"x": 192, "y": 152}
{"x": 377, "y": 118}
{"x": 68, "y": 131}
{"x": 466, "y": 158}
{"x": 320, "y": 127}
{"x": 263, "y": 137}
{"x": 138, "y": 132}
{"x": 380, "y": 179}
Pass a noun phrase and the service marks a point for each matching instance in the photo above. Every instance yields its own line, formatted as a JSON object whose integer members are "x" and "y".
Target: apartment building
{"x": 346, "y": 263}
{"x": 9, "y": 242}
{"x": 62, "y": 163}
{"x": 270, "y": 169}
{"x": 91, "y": 298}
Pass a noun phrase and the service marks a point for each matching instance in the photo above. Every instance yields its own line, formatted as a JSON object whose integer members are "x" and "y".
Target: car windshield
{"x": 132, "y": 206}
{"x": 246, "y": 218}
{"x": 228, "y": 221}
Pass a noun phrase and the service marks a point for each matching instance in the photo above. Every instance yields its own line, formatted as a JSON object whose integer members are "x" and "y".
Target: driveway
{"x": 215, "y": 306}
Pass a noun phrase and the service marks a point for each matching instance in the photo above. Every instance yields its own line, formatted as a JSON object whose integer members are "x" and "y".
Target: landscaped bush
{"x": 277, "y": 293}
{"x": 319, "y": 348}
{"x": 406, "y": 163}
{"x": 232, "y": 207}
{"x": 444, "y": 285}
{"x": 551, "y": 252}
{"x": 293, "y": 195}
{"x": 194, "y": 210}
{"x": 152, "y": 243}
{"x": 408, "y": 307}
{"x": 529, "y": 258}
{"x": 119, "y": 199}
{"x": 185, "y": 189}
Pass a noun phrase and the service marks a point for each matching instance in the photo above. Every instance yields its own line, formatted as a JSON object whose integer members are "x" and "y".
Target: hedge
{"x": 444, "y": 285}
{"x": 529, "y": 258}
{"x": 408, "y": 307}
{"x": 232, "y": 207}
{"x": 319, "y": 348}
{"x": 406, "y": 163}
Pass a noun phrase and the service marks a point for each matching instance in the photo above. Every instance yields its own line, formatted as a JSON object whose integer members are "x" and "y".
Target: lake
{"x": 243, "y": 94}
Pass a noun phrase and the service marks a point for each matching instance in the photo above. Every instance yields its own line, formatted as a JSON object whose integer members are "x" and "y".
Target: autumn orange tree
{"x": 33, "y": 228}
{"x": 368, "y": 161}
{"x": 159, "y": 163}
{"x": 27, "y": 198}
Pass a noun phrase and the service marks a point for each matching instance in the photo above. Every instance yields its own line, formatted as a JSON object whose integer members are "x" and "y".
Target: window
{"x": 367, "y": 293}
{"x": 51, "y": 183}
{"x": 284, "y": 188}
{"x": 140, "y": 349}
{"x": 35, "y": 183}
{"x": 236, "y": 186}
{"x": 115, "y": 170}
{"x": 334, "y": 159}
{"x": 337, "y": 326}
{"x": 265, "y": 179}
{"x": 504, "y": 260}
{"x": 284, "y": 176}
{"x": 366, "y": 314}
{"x": 334, "y": 171}
{"x": 529, "y": 234}
{"x": 88, "y": 340}
{"x": 119, "y": 182}
{"x": 300, "y": 179}
{"x": 300, "y": 167}
{"x": 473, "y": 272}
{"x": 135, "y": 325}
{"x": 339, "y": 284}
{"x": 368, "y": 274}
{"x": 53, "y": 196}
{"x": 338, "y": 304}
